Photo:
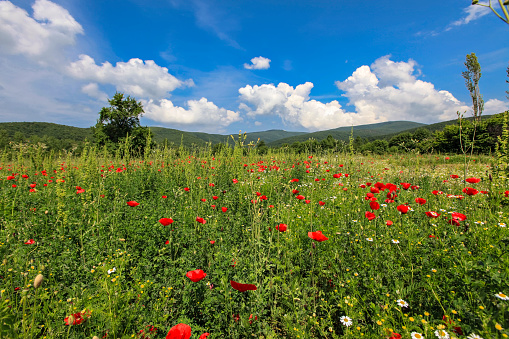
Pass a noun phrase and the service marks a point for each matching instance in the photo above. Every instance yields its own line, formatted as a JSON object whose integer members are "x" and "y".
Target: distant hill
{"x": 371, "y": 131}
{"x": 40, "y": 129}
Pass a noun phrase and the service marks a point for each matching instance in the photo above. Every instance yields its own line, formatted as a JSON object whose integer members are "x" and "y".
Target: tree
{"x": 120, "y": 120}
{"x": 504, "y": 5}
{"x": 472, "y": 76}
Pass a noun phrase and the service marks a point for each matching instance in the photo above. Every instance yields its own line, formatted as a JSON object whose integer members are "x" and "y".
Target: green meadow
{"x": 329, "y": 246}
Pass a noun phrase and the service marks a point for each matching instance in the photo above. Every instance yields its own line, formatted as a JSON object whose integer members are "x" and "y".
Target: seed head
{"x": 38, "y": 280}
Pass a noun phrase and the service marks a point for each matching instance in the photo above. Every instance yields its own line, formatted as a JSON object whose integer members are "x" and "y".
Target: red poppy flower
{"x": 321, "y": 203}
{"x": 196, "y": 275}
{"x": 133, "y": 203}
{"x": 282, "y": 227}
{"x": 301, "y": 197}
{"x": 337, "y": 175}
{"x": 32, "y": 190}
{"x": 30, "y": 242}
{"x": 459, "y": 216}
{"x": 473, "y": 180}
{"x": 242, "y": 287}
{"x": 167, "y": 242}
{"x": 431, "y": 236}
{"x": 201, "y": 220}
{"x": 295, "y": 191}
{"x": 294, "y": 180}
{"x": 454, "y": 176}
{"x": 214, "y": 197}
{"x": 164, "y": 197}
{"x": 435, "y": 192}
{"x": 403, "y": 209}
{"x": 224, "y": 209}
{"x": 374, "y": 205}
{"x": 389, "y": 223}
{"x": 212, "y": 242}
{"x": 395, "y": 336}
{"x": 307, "y": 201}
{"x": 405, "y": 185}
{"x": 370, "y": 215}
{"x": 470, "y": 191}
{"x": 374, "y": 189}
{"x": 180, "y": 331}
{"x": 414, "y": 187}
{"x": 74, "y": 319}
{"x": 235, "y": 181}
{"x": 10, "y": 177}
{"x": 186, "y": 189}
{"x": 318, "y": 236}
{"x": 432, "y": 214}
{"x": 165, "y": 221}
{"x": 420, "y": 201}
{"x": 204, "y": 335}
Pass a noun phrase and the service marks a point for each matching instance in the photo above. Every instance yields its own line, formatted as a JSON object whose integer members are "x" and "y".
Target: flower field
{"x": 231, "y": 246}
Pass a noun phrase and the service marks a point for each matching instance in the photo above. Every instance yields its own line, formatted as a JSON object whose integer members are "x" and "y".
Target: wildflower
{"x": 403, "y": 209}
{"x": 204, "y": 335}
{"x": 224, "y": 209}
{"x": 402, "y": 303}
{"x": 30, "y": 242}
{"x": 420, "y": 201}
{"x": 470, "y": 191}
{"x": 499, "y": 327}
{"x": 201, "y": 220}
{"x": 318, "y": 236}
{"x": 442, "y": 334}
{"x": 196, "y": 275}
{"x": 133, "y": 203}
{"x": 282, "y": 227}
{"x": 473, "y": 180}
{"x": 389, "y": 223}
{"x": 501, "y": 224}
{"x": 113, "y": 270}
{"x": 374, "y": 205}
{"x": 432, "y": 214}
{"x": 416, "y": 335}
{"x": 394, "y": 241}
{"x": 474, "y": 336}
{"x": 165, "y": 221}
{"x": 370, "y": 215}
{"x": 395, "y": 336}
{"x": 502, "y": 296}
{"x": 180, "y": 331}
{"x": 242, "y": 287}
{"x": 347, "y": 321}
{"x": 369, "y": 239}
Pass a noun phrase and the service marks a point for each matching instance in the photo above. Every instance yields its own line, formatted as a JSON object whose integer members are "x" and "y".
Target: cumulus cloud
{"x": 495, "y": 106}
{"x": 42, "y": 37}
{"x": 472, "y": 12}
{"x": 92, "y": 90}
{"x": 386, "y": 91}
{"x": 136, "y": 77}
{"x": 201, "y": 114}
{"x": 258, "y": 63}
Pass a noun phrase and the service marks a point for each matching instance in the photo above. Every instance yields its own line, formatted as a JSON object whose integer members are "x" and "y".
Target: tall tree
{"x": 119, "y": 120}
{"x": 472, "y": 76}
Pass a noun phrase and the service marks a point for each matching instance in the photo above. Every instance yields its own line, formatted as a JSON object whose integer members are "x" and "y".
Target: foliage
{"x": 121, "y": 121}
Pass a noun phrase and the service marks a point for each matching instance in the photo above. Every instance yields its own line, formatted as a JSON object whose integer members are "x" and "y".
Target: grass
{"x": 115, "y": 270}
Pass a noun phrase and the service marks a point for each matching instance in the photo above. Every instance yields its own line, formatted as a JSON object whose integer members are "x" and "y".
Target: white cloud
{"x": 495, "y": 106}
{"x": 92, "y": 90}
{"x": 388, "y": 91}
{"x": 136, "y": 77}
{"x": 201, "y": 114}
{"x": 42, "y": 37}
{"x": 472, "y": 12}
{"x": 258, "y": 63}
{"x": 258, "y": 123}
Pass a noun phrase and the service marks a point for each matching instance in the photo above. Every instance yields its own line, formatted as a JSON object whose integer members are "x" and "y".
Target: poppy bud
{"x": 38, "y": 280}
{"x": 314, "y": 246}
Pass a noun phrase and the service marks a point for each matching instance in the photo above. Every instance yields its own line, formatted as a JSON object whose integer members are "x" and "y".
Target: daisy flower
{"x": 402, "y": 303}
{"x": 369, "y": 239}
{"x": 113, "y": 270}
{"x": 347, "y": 321}
{"x": 416, "y": 335}
{"x": 474, "y": 336}
{"x": 502, "y": 224}
{"x": 394, "y": 241}
{"x": 442, "y": 334}
{"x": 502, "y": 296}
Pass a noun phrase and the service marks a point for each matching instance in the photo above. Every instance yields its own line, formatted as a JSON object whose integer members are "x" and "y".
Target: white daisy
{"x": 442, "y": 334}
{"x": 502, "y": 224}
{"x": 417, "y": 335}
{"x": 502, "y": 296}
{"x": 474, "y": 336}
{"x": 402, "y": 303}
{"x": 347, "y": 321}
{"x": 113, "y": 270}
{"x": 394, "y": 241}
{"x": 369, "y": 239}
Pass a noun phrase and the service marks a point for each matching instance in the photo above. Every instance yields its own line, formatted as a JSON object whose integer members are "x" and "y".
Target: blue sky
{"x": 225, "y": 66}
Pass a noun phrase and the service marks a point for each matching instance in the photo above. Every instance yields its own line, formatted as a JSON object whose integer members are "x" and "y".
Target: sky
{"x": 223, "y": 66}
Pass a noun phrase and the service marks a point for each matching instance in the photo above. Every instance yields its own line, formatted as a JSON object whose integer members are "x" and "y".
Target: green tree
{"x": 472, "y": 76}
{"x": 120, "y": 120}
